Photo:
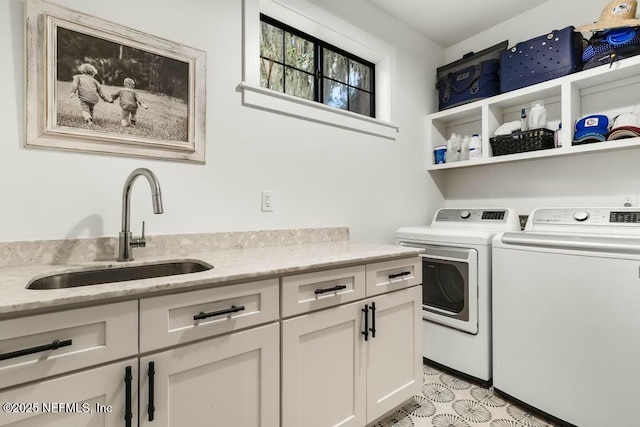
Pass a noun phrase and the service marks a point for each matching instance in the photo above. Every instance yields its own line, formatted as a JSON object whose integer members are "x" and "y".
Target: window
{"x": 298, "y": 64}
{"x": 313, "y": 23}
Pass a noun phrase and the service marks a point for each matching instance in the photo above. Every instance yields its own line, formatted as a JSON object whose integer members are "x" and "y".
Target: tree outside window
{"x": 300, "y": 65}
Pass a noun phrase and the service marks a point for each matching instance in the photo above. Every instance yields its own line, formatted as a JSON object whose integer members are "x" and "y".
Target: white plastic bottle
{"x": 537, "y": 115}
{"x": 475, "y": 147}
{"x": 464, "y": 148}
{"x": 453, "y": 148}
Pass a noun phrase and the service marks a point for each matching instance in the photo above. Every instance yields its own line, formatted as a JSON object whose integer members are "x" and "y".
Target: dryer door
{"x": 450, "y": 287}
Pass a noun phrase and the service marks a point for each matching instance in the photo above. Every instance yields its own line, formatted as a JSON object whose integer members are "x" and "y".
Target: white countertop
{"x": 229, "y": 266}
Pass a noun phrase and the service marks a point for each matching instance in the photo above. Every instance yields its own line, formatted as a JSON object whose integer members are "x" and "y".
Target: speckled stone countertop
{"x": 230, "y": 265}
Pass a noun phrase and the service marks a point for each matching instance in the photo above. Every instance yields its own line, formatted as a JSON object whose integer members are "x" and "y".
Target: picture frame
{"x": 99, "y": 87}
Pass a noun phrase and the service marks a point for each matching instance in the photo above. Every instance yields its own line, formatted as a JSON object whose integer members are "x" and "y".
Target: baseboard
{"x": 554, "y": 420}
{"x": 462, "y": 375}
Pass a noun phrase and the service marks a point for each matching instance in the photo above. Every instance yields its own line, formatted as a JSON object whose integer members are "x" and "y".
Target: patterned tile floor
{"x": 447, "y": 401}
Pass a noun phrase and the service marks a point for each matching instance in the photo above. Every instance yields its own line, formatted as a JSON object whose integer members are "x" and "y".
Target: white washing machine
{"x": 456, "y": 286}
{"x": 566, "y": 315}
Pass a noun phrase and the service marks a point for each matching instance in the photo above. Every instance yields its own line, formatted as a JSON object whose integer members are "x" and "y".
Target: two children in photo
{"x": 89, "y": 92}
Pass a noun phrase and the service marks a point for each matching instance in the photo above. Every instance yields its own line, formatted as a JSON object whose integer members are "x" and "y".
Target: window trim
{"x": 318, "y": 74}
{"x": 318, "y": 22}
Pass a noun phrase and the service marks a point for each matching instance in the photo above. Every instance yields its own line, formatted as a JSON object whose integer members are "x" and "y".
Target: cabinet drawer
{"x": 84, "y": 337}
{"x": 389, "y": 276}
{"x": 174, "y": 319}
{"x": 313, "y": 291}
{"x": 89, "y": 398}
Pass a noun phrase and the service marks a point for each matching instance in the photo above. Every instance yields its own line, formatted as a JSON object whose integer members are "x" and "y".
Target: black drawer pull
{"x": 53, "y": 346}
{"x": 365, "y": 310}
{"x": 151, "y": 409}
{"x": 373, "y": 320}
{"x": 232, "y": 309}
{"x": 404, "y": 273}
{"x": 325, "y": 290}
{"x": 128, "y": 414}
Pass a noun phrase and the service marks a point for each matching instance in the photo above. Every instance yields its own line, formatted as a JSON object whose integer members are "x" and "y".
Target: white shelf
{"x": 602, "y": 90}
{"x": 554, "y": 152}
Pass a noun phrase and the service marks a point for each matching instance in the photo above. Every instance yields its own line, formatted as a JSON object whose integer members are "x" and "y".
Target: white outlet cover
{"x": 630, "y": 199}
{"x": 267, "y": 201}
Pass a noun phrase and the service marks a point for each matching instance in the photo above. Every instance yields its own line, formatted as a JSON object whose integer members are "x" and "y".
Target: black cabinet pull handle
{"x": 365, "y": 310}
{"x": 151, "y": 410}
{"x": 232, "y": 309}
{"x": 39, "y": 349}
{"x": 404, "y": 273}
{"x": 325, "y": 290}
{"x": 373, "y": 320}
{"x": 128, "y": 415}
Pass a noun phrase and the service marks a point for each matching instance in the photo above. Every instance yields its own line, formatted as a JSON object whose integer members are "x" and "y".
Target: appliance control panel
{"x": 593, "y": 220}
{"x": 596, "y": 216}
{"x": 570, "y": 216}
{"x": 472, "y": 215}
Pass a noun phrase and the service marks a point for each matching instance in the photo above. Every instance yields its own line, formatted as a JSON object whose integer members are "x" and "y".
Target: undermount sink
{"x": 118, "y": 274}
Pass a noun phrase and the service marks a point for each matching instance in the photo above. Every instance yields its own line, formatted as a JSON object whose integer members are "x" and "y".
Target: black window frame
{"x": 318, "y": 69}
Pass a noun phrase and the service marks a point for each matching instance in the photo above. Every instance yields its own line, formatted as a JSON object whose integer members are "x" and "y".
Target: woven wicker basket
{"x": 521, "y": 142}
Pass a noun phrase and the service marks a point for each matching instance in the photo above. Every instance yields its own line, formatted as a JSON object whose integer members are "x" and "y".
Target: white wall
{"x": 552, "y": 15}
{"x": 321, "y": 176}
{"x": 597, "y": 179}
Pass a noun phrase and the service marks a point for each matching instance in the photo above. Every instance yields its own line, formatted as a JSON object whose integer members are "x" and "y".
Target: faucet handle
{"x": 139, "y": 242}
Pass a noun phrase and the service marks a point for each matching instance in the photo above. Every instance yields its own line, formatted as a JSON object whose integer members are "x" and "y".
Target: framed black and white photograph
{"x": 96, "y": 86}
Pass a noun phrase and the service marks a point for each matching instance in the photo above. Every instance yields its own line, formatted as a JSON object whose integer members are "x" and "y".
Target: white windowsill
{"x": 283, "y": 103}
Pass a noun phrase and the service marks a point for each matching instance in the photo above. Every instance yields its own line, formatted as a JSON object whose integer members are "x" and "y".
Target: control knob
{"x": 465, "y": 214}
{"x": 581, "y": 216}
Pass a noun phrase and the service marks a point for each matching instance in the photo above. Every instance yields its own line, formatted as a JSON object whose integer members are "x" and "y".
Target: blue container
{"x": 540, "y": 59}
{"x": 440, "y": 153}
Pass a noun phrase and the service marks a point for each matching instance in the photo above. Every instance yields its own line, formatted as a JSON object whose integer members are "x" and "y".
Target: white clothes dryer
{"x": 456, "y": 286}
{"x": 566, "y": 318}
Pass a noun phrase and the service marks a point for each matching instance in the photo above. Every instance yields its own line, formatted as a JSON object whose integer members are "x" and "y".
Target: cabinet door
{"x": 231, "y": 380}
{"x": 92, "y": 398}
{"x": 394, "y": 355}
{"x": 323, "y": 371}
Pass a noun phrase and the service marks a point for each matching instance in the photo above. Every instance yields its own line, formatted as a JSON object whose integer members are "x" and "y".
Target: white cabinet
{"x": 229, "y": 355}
{"x": 230, "y": 380}
{"x": 394, "y": 355}
{"x": 348, "y": 365}
{"x": 323, "y": 368}
{"x": 601, "y": 90}
{"x": 99, "y": 397}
